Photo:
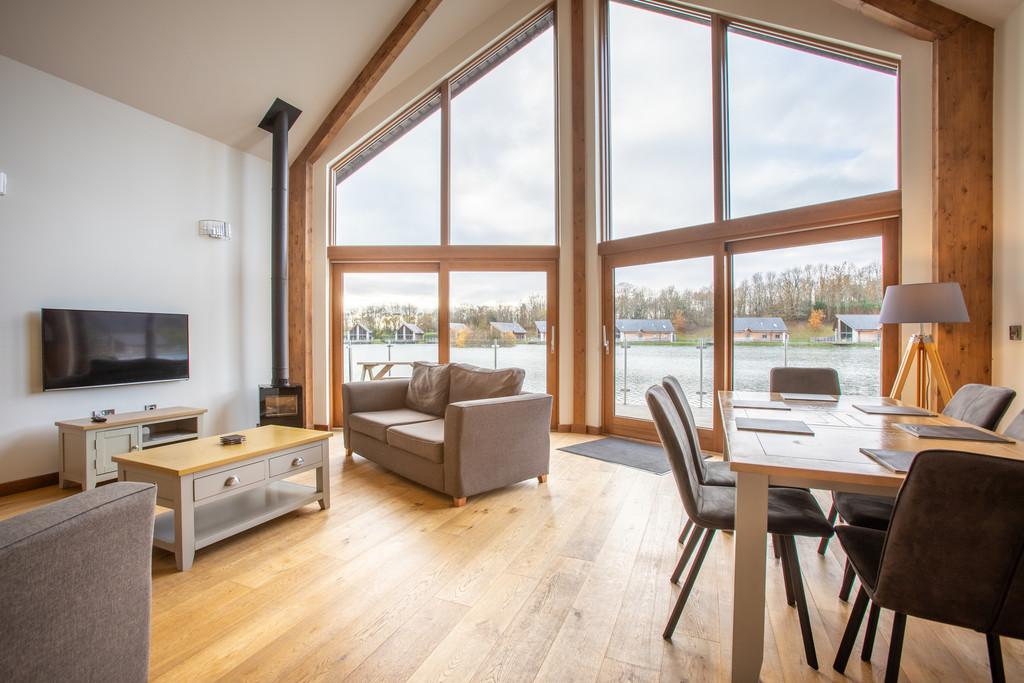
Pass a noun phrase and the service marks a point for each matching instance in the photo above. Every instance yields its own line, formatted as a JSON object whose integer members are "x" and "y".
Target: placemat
{"x": 894, "y": 461}
{"x": 753, "y": 424}
{"x": 893, "y": 410}
{"x": 951, "y": 432}
{"x": 810, "y": 397}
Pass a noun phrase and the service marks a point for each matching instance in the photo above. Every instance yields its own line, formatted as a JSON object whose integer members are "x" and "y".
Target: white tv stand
{"x": 86, "y": 447}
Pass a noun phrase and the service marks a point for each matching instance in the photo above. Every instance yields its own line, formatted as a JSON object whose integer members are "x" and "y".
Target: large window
{"x": 471, "y": 164}
{"x": 809, "y": 306}
{"x": 806, "y": 126}
{"x": 660, "y": 120}
{"x": 710, "y": 118}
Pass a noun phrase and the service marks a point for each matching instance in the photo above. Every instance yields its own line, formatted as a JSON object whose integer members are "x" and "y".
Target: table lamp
{"x": 927, "y": 302}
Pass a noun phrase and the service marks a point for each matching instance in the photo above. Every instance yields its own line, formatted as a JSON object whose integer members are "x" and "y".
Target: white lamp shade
{"x": 927, "y": 302}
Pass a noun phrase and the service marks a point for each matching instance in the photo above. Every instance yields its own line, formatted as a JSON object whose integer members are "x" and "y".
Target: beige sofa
{"x": 455, "y": 428}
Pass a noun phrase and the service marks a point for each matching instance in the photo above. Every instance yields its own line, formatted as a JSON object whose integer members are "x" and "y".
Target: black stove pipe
{"x": 278, "y": 119}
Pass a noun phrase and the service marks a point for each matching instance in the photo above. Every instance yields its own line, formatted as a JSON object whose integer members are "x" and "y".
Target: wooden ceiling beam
{"x": 300, "y": 195}
{"x": 921, "y": 19}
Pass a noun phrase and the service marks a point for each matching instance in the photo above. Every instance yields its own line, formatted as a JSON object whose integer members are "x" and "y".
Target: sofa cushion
{"x": 428, "y": 388}
{"x": 376, "y": 423}
{"x": 470, "y": 383}
{"x": 425, "y": 439}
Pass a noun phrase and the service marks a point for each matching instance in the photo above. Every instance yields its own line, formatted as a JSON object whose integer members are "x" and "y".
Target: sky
{"x": 803, "y": 129}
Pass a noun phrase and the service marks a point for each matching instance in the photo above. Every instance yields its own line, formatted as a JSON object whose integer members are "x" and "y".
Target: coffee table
{"x": 215, "y": 491}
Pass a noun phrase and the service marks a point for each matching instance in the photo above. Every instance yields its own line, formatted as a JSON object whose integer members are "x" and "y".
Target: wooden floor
{"x": 561, "y": 581}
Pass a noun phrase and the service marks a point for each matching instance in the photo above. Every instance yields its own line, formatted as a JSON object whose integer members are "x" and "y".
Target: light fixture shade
{"x": 927, "y": 302}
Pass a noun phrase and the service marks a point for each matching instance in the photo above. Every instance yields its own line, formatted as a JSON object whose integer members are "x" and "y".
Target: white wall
{"x": 101, "y": 213}
{"x": 814, "y": 17}
{"x": 1008, "y": 281}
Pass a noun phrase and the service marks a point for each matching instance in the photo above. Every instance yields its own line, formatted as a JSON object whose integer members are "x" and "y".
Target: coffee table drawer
{"x": 229, "y": 480}
{"x": 293, "y": 461}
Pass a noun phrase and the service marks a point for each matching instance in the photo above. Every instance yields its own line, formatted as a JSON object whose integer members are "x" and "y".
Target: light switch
{"x": 1014, "y": 332}
{"x": 3, "y": 183}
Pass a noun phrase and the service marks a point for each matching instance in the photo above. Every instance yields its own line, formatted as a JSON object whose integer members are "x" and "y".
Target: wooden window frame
{"x": 443, "y": 267}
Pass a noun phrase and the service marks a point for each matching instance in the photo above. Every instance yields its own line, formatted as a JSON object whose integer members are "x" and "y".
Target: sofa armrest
{"x": 368, "y": 397}
{"x": 495, "y": 442}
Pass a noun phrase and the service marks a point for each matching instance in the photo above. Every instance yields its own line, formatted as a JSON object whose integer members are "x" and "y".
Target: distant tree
{"x": 679, "y": 321}
{"x": 816, "y": 318}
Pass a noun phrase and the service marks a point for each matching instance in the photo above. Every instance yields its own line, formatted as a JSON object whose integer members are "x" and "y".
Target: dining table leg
{"x": 749, "y": 576}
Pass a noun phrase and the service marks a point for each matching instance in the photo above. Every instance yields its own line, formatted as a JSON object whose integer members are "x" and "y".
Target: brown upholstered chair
{"x": 804, "y": 381}
{"x": 958, "y": 515}
{"x": 791, "y": 512}
{"x": 1015, "y": 430}
{"x": 976, "y": 404}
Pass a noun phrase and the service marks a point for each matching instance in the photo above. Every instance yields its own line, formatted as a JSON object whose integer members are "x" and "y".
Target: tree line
{"x": 383, "y": 320}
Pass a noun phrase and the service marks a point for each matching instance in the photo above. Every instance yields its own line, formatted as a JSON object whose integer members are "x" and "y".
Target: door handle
{"x": 604, "y": 335}
{"x": 551, "y": 340}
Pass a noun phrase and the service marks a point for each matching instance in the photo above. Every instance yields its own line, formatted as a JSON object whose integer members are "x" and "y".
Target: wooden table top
{"x": 204, "y": 454}
{"x": 86, "y": 424}
{"x": 840, "y": 431}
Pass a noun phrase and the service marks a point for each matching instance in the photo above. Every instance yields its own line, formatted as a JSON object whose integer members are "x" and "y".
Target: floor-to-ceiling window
{"x": 771, "y": 161}
{"x": 445, "y": 225}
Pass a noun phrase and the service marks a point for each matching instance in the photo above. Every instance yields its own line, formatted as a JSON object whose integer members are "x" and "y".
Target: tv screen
{"x": 100, "y": 348}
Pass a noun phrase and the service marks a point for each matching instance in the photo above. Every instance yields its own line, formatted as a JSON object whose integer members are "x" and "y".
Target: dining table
{"x": 827, "y": 459}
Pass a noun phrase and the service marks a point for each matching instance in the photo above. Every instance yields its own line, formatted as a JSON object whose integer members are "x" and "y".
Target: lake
{"x": 639, "y": 366}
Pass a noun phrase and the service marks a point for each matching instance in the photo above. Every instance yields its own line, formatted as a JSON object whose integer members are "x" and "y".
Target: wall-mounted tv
{"x": 101, "y": 348}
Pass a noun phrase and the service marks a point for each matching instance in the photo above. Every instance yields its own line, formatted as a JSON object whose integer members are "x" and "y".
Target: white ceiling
{"x": 214, "y": 66}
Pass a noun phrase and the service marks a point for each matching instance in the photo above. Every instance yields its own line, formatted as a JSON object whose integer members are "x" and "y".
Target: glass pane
{"x": 498, "y": 320}
{"x": 390, "y": 321}
{"x": 659, "y": 121}
{"x": 395, "y": 196}
{"x": 664, "y": 325}
{"x": 814, "y": 306}
{"x": 503, "y": 151}
{"x": 806, "y": 128}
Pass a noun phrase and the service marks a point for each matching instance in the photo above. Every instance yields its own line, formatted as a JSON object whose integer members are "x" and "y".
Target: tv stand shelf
{"x": 86, "y": 447}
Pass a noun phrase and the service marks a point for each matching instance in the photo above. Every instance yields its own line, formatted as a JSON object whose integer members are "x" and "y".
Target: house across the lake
{"x": 645, "y": 330}
{"x": 510, "y": 328}
{"x": 358, "y": 334}
{"x": 857, "y": 328}
{"x": 408, "y": 332}
{"x": 759, "y": 329}
{"x": 542, "y": 329}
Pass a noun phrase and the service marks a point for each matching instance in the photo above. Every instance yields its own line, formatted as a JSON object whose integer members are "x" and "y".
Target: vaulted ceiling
{"x": 215, "y": 67}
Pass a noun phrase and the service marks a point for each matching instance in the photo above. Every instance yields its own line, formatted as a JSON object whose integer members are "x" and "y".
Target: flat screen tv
{"x": 101, "y": 348}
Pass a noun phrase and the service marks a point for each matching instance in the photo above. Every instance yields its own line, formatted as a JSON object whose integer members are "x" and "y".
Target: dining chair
{"x": 1015, "y": 430}
{"x": 804, "y": 381}
{"x": 791, "y": 512}
{"x": 958, "y": 517}
{"x": 977, "y": 404}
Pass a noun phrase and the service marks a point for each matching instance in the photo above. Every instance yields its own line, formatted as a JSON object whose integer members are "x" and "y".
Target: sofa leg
{"x": 458, "y": 502}
{"x": 543, "y": 478}
{"x": 348, "y": 452}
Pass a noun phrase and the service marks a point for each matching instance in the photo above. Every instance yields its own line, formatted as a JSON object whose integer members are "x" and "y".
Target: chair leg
{"x": 691, "y": 578}
{"x": 869, "y": 633}
{"x": 686, "y": 531}
{"x": 833, "y": 515}
{"x": 892, "y": 667}
{"x": 860, "y": 605}
{"x": 847, "y": 585}
{"x": 787, "y": 578}
{"x": 801, "y": 601}
{"x": 995, "y": 658}
{"x": 691, "y": 545}
{"x": 775, "y": 546}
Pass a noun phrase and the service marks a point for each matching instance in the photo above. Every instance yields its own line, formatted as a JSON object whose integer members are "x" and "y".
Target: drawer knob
{"x": 232, "y": 481}
{"x": 298, "y": 462}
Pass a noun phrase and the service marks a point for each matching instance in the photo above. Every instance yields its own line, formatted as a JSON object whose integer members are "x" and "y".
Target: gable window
{"x": 473, "y": 163}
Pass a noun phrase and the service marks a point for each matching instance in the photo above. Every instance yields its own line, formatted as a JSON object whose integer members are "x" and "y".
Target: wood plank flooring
{"x": 564, "y": 581}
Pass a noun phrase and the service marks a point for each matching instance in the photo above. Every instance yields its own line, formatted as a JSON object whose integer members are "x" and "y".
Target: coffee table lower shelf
{"x": 220, "y": 519}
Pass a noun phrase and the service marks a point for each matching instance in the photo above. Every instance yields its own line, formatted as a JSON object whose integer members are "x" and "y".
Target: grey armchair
{"x": 75, "y": 587}
{"x": 477, "y": 445}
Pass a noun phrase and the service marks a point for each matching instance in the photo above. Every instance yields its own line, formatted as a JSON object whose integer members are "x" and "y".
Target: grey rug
{"x": 642, "y": 456}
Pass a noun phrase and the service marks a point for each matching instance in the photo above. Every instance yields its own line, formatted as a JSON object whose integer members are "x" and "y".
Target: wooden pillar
{"x": 579, "y": 224}
{"x": 300, "y": 284}
{"x": 962, "y": 228}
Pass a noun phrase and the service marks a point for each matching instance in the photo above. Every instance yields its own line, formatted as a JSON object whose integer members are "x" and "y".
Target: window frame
{"x": 546, "y": 16}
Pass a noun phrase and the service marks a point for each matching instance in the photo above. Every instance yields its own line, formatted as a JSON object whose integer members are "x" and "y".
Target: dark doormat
{"x": 642, "y": 456}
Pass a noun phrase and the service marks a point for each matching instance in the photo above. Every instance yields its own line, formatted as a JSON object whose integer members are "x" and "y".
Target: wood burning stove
{"x": 281, "y": 405}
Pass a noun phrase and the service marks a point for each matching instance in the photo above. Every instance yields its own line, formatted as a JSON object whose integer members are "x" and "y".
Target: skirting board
{"x": 8, "y": 488}
{"x": 567, "y": 428}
